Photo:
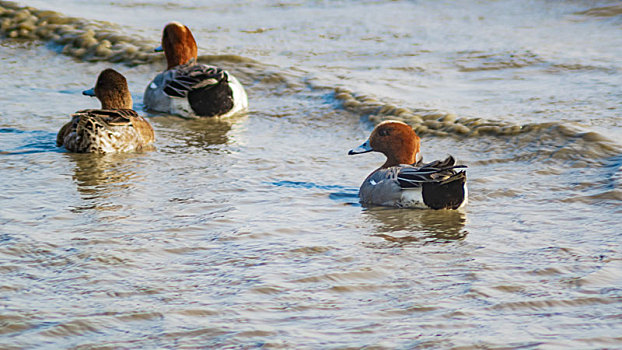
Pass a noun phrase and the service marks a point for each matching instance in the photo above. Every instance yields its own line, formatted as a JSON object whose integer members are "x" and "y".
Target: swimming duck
{"x": 113, "y": 128}
{"x": 189, "y": 89}
{"x": 404, "y": 181}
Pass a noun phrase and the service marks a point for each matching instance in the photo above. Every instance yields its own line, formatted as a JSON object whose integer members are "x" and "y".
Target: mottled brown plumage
{"x": 113, "y": 128}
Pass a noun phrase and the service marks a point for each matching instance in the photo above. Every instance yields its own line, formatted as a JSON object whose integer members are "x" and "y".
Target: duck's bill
{"x": 364, "y": 148}
{"x": 158, "y": 49}
{"x": 89, "y": 92}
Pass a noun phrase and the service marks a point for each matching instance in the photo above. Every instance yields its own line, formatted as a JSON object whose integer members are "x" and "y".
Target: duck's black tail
{"x": 446, "y": 194}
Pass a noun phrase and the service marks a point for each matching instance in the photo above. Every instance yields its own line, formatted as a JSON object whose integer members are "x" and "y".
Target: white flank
{"x": 466, "y": 196}
{"x": 181, "y": 106}
{"x": 412, "y": 198}
{"x": 240, "y": 100}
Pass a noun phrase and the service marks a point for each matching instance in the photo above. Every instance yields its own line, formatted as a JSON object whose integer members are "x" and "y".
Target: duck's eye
{"x": 383, "y": 132}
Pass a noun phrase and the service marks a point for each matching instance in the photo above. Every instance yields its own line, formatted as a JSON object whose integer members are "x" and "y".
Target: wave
{"x": 604, "y": 11}
{"x": 87, "y": 40}
{"x": 95, "y": 41}
{"x": 477, "y": 61}
{"x": 554, "y": 139}
{"x": 471, "y": 61}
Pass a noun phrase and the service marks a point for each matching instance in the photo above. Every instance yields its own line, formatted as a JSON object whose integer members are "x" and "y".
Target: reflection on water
{"x": 194, "y": 134}
{"x": 98, "y": 176}
{"x": 413, "y": 225}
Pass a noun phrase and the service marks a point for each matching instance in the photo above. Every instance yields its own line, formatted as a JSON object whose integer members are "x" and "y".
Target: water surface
{"x": 247, "y": 232}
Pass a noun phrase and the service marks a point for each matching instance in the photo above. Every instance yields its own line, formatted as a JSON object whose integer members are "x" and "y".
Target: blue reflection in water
{"x": 342, "y": 194}
{"x": 18, "y": 141}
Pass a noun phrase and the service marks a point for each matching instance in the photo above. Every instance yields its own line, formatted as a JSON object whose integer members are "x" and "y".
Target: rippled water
{"x": 246, "y": 232}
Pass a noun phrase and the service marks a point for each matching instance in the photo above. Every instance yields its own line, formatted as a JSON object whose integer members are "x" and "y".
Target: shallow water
{"x": 247, "y": 233}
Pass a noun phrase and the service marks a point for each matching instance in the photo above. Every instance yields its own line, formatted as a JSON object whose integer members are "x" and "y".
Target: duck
{"x": 187, "y": 88}
{"x": 115, "y": 127}
{"x": 404, "y": 180}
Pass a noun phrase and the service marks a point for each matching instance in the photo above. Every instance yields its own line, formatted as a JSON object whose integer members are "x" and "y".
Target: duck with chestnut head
{"x": 189, "y": 89}
{"x": 404, "y": 181}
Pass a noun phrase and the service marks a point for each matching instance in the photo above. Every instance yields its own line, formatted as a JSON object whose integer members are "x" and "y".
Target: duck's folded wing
{"x": 438, "y": 171}
{"x": 438, "y": 164}
{"x": 381, "y": 187}
{"x": 109, "y": 116}
{"x": 192, "y": 77}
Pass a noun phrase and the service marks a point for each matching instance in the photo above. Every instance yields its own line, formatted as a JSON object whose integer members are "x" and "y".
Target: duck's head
{"x": 111, "y": 90}
{"x": 178, "y": 44}
{"x": 396, "y": 140}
